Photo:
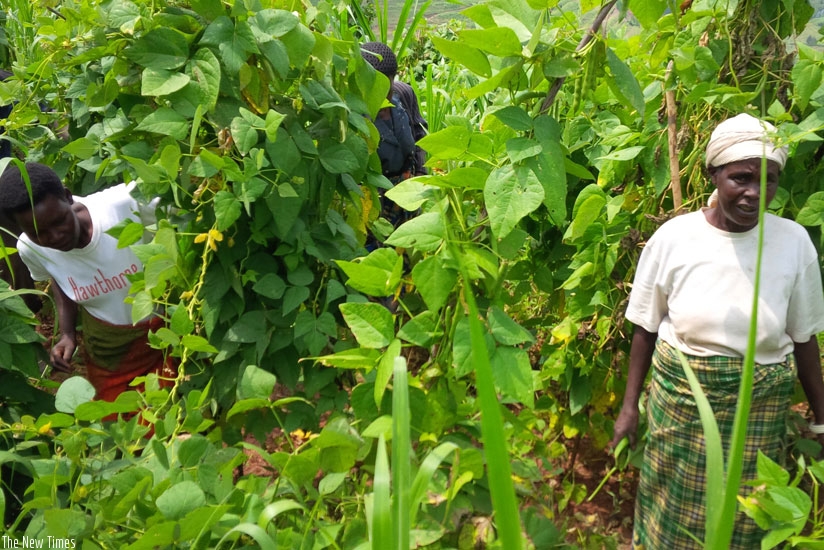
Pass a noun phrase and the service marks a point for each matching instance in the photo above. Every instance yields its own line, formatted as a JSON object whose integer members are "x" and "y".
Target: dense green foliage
{"x": 250, "y": 119}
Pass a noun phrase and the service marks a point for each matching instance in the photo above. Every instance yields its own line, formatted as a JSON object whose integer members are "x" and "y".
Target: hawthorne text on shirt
{"x": 102, "y": 284}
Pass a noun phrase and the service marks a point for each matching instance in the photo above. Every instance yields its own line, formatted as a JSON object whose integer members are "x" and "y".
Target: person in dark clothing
{"x": 400, "y": 126}
{"x": 417, "y": 123}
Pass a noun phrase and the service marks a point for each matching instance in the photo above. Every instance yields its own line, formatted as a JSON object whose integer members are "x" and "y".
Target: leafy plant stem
{"x": 496, "y": 449}
{"x": 311, "y": 523}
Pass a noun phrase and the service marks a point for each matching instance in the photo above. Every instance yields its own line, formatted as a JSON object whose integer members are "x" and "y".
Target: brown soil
{"x": 608, "y": 512}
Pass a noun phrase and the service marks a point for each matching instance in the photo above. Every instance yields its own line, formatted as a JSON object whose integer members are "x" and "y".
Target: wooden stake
{"x": 672, "y": 130}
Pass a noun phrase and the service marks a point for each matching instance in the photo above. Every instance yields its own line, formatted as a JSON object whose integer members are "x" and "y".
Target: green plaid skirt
{"x": 670, "y": 499}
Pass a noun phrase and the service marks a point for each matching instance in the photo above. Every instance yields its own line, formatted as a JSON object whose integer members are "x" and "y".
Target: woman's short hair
{"x": 14, "y": 194}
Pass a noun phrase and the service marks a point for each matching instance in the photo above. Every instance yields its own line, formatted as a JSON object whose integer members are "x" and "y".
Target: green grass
{"x": 440, "y": 11}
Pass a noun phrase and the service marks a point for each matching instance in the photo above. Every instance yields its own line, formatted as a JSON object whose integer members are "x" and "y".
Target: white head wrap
{"x": 743, "y": 137}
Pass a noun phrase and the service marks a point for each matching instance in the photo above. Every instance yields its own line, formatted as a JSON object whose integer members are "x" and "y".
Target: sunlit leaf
{"x": 194, "y": 342}
{"x": 410, "y": 194}
{"x": 209, "y": 9}
{"x": 510, "y": 194}
{"x": 234, "y": 40}
{"x": 371, "y": 324}
{"x": 589, "y": 207}
{"x": 157, "y": 82}
{"x": 807, "y": 77}
{"x": 181, "y": 323}
{"x": 160, "y": 48}
{"x": 72, "y": 392}
{"x": 505, "y": 330}
{"x": 420, "y": 330}
{"x": 812, "y": 213}
{"x": 299, "y": 43}
{"x": 270, "y": 23}
{"x": 378, "y": 274}
{"x": 647, "y": 11}
{"x": 471, "y": 58}
{"x": 204, "y": 69}
{"x": 180, "y": 499}
{"x": 82, "y": 148}
{"x": 167, "y": 122}
{"x": 498, "y": 80}
{"x": 520, "y": 148}
{"x": 625, "y": 83}
{"x": 500, "y": 41}
{"x": 255, "y": 383}
{"x": 449, "y": 143}
{"x": 425, "y": 233}
{"x": 515, "y": 117}
{"x": 357, "y": 358}
{"x": 227, "y": 209}
{"x": 434, "y": 281}
{"x": 512, "y": 373}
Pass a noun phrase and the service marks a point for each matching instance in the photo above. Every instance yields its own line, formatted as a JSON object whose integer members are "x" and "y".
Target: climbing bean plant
{"x": 548, "y": 167}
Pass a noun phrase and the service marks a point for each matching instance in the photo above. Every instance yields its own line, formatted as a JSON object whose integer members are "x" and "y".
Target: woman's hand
{"x": 626, "y": 425}
{"x": 62, "y": 353}
{"x": 640, "y": 360}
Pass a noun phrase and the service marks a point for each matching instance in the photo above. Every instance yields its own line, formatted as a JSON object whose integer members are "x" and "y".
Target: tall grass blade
{"x": 413, "y": 27}
{"x": 496, "y": 450}
{"x": 404, "y": 33}
{"x": 425, "y": 474}
{"x": 382, "y": 15}
{"x": 437, "y": 101}
{"x": 381, "y": 503}
{"x": 401, "y": 455}
{"x": 361, "y": 20}
{"x": 714, "y": 456}
{"x": 735, "y": 463}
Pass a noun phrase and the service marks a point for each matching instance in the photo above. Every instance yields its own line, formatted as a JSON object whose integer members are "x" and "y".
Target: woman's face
{"x": 739, "y": 190}
{"x": 52, "y": 223}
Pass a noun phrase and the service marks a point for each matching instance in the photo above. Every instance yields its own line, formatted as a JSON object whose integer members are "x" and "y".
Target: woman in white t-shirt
{"x": 693, "y": 293}
{"x": 64, "y": 240}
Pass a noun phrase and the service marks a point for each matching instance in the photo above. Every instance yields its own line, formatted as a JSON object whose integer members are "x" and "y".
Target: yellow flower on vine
{"x": 212, "y": 238}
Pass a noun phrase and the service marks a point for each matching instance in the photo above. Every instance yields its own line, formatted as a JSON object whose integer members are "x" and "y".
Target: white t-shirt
{"x": 94, "y": 276}
{"x": 694, "y": 287}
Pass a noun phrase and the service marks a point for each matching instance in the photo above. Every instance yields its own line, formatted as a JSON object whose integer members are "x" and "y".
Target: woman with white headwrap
{"x": 693, "y": 293}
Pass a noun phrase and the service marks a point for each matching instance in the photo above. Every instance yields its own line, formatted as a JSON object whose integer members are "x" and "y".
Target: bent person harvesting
{"x": 64, "y": 239}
